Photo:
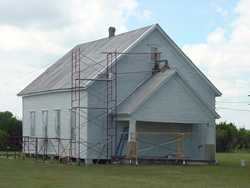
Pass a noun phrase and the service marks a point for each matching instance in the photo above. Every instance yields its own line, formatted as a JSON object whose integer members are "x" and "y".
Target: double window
{"x": 44, "y": 120}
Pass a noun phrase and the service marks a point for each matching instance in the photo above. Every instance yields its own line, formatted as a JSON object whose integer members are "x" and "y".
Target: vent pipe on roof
{"x": 111, "y": 32}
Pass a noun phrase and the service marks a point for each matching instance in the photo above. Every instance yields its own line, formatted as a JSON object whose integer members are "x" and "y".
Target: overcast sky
{"x": 215, "y": 34}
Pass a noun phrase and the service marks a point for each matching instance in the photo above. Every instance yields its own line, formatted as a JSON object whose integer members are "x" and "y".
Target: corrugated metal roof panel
{"x": 137, "y": 98}
{"x": 58, "y": 76}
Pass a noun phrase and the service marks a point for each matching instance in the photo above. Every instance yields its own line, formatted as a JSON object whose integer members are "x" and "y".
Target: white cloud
{"x": 217, "y": 37}
{"x": 225, "y": 58}
{"x": 36, "y": 33}
{"x": 17, "y": 39}
{"x": 146, "y": 13}
{"x": 222, "y": 11}
{"x": 33, "y": 12}
{"x": 12, "y": 80}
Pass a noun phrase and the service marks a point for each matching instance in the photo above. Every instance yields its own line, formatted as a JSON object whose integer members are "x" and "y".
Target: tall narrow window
{"x": 73, "y": 125}
{"x": 32, "y": 123}
{"x": 155, "y": 57}
{"x": 58, "y": 123}
{"x": 45, "y": 123}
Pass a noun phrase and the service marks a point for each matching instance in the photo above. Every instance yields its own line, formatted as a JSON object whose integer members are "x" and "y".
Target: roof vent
{"x": 111, "y": 32}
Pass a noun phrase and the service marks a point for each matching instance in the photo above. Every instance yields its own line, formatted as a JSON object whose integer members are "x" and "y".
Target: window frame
{"x": 45, "y": 123}
{"x": 73, "y": 125}
{"x": 32, "y": 123}
{"x": 57, "y": 122}
{"x": 155, "y": 54}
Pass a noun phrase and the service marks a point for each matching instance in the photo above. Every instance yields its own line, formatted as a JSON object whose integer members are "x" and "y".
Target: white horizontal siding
{"x": 51, "y": 102}
{"x": 179, "y": 63}
{"x": 173, "y": 102}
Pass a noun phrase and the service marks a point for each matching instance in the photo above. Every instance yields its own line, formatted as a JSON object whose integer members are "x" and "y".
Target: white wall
{"x": 179, "y": 63}
{"x": 175, "y": 103}
{"x": 126, "y": 85}
{"x": 129, "y": 63}
{"x": 51, "y": 102}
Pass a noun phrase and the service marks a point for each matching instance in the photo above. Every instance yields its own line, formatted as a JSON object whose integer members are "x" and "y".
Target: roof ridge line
{"x": 126, "y": 32}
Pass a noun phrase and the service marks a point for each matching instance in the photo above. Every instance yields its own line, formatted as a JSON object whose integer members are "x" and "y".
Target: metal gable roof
{"x": 188, "y": 60}
{"x": 58, "y": 76}
{"x": 145, "y": 91}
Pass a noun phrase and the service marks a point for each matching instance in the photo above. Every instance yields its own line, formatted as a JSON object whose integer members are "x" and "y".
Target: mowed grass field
{"x": 16, "y": 173}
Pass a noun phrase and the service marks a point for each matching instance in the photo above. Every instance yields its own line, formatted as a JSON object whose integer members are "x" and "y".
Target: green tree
{"x": 10, "y": 130}
{"x": 229, "y": 138}
{"x": 226, "y": 137}
{"x": 244, "y": 139}
{"x": 3, "y": 136}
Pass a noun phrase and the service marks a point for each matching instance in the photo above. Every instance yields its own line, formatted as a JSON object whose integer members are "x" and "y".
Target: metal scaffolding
{"x": 112, "y": 146}
{"x": 81, "y": 77}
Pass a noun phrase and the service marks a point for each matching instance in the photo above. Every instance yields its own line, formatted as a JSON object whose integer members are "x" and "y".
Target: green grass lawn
{"x": 17, "y": 173}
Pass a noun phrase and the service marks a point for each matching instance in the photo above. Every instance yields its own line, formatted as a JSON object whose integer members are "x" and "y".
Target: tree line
{"x": 229, "y": 138}
{"x": 10, "y": 131}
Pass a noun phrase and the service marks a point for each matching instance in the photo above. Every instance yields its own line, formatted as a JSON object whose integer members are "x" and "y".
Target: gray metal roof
{"x": 146, "y": 90}
{"x": 58, "y": 76}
